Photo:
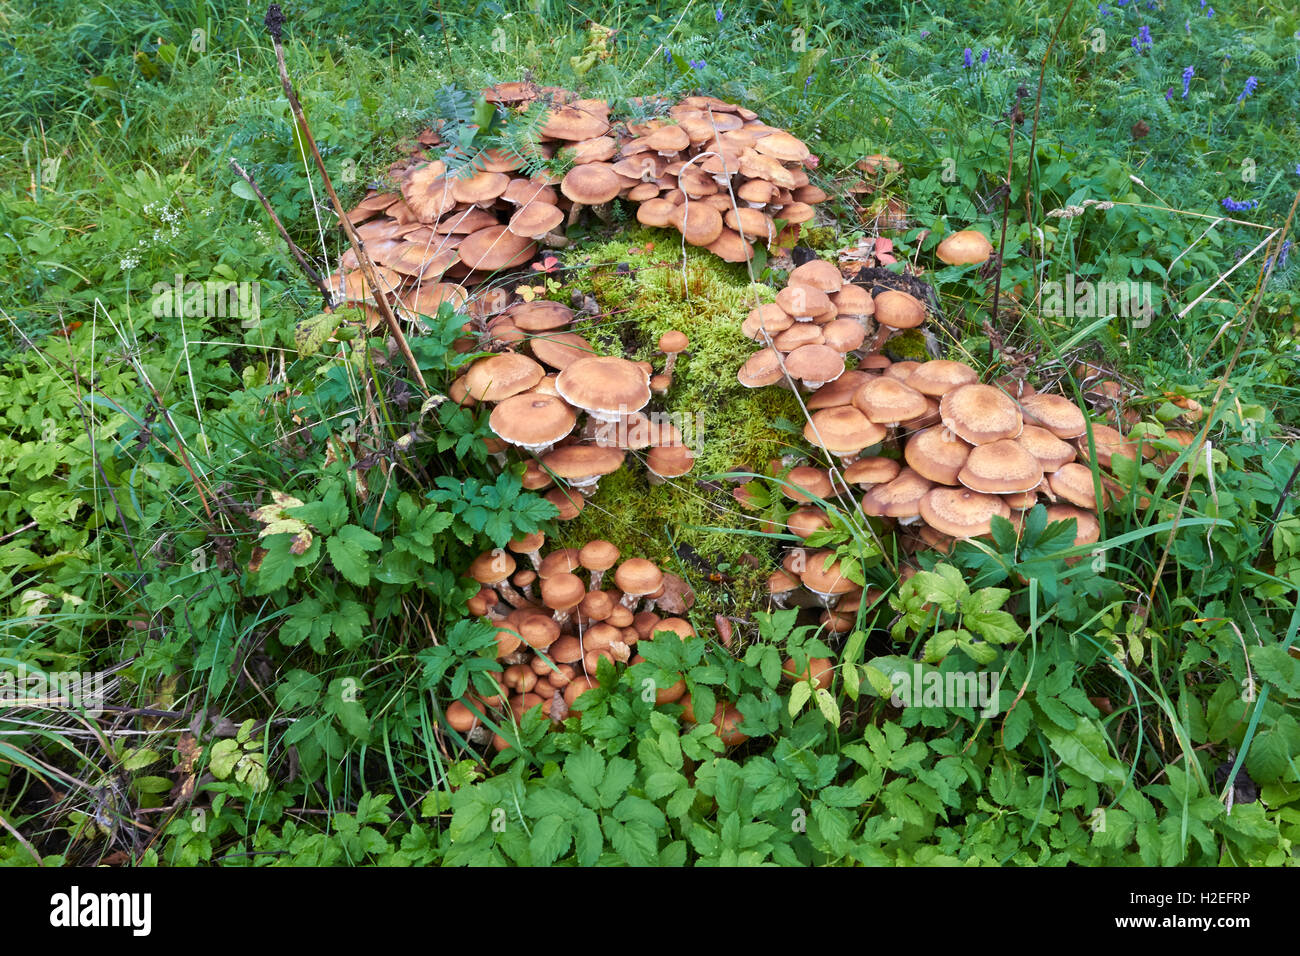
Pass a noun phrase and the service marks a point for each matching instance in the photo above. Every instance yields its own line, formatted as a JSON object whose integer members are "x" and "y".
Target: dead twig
{"x": 274, "y": 21}
{"x": 308, "y": 270}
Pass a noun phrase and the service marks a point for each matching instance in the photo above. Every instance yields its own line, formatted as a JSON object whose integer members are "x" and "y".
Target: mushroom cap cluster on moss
{"x": 553, "y": 627}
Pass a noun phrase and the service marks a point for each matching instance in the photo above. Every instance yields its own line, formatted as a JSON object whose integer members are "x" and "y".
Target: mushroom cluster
{"x": 710, "y": 169}
{"x": 819, "y": 320}
{"x": 969, "y": 451}
{"x": 538, "y": 399}
{"x": 556, "y": 616}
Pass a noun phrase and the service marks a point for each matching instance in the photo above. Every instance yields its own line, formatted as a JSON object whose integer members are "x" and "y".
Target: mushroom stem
{"x": 553, "y": 240}
{"x": 882, "y": 335}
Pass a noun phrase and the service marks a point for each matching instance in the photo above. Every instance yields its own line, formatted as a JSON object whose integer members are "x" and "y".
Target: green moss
{"x": 734, "y": 428}
{"x": 907, "y": 345}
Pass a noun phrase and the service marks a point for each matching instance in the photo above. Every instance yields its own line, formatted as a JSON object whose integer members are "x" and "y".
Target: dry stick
{"x": 22, "y": 840}
{"x": 1260, "y": 283}
{"x": 312, "y": 275}
{"x": 1038, "y": 102}
{"x": 274, "y": 24}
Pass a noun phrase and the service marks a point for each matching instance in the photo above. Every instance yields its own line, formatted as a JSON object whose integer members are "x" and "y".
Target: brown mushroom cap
{"x": 576, "y": 462}
{"x": 538, "y": 630}
{"x": 532, "y": 421}
{"x": 823, "y": 580}
{"x": 939, "y": 376}
{"x": 770, "y": 317}
{"x": 655, "y": 212}
{"x": 598, "y": 555}
{"x": 980, "y": 414}
{"x": 562, "y": 592}
{"x": 805, "y": 481}
{"x": 535, "y": 220}
{"x": 480, "y": 189}
{"x": 575, "y": 123}
{"x": 497, "y": 377}
{"x": 1001, "y": 467}
{"x": 495, "y": 247}
{"x": 591, "y": 184}
{"x": 936, "y": 453}
{"x": 900, "y": 498}
{"x": 802, "y": 302}
{"x": 799, "y": 335}
{"x": 842, "y": 430}
{"x": 698, "y": 223}
{"x": 1050, "y": 451}
{"x": 669, "y": 461}
{"x": 1057, "y": 414}
{"x": 815, "y": 365}
{"x": 886, "y": 400}
{"x": 874, "y": 470}
{"x": 673, "y": 342}
{"x": 637, "y": 577}
{"x": 1088, "y": 529}
{"x": 761, "y": 368}
{"x": 838, "y": 392}
{"x": 898, "y": 310}
{"x": 560, "y": 349}
{"x": 492, "y": 567}
{"x": 540, "y": 315}
{"x": 1109, "y": 442}
{"x": 817, "y": 274}
{"x": 843, "y": 335}
{"x": 730, "y": 247}
{"x": 806, "y": 520}
{"x": 966, "y": 247}
{"x": 853, "y": 300}
{"x": 1073, "y": 482}
{"x": 962, "y": 513}
{"x": 781, "y": 146}
{"x": 606, "y": 387}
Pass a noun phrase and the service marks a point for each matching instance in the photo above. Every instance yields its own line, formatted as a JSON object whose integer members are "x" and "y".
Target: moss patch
{"x": 638, "y": 281}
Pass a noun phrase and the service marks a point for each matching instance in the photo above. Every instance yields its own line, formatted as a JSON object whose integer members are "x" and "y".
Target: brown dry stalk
{"x": 274, "y": 23}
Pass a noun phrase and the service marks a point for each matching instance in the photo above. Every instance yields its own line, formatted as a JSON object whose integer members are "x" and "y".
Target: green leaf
{"x": 347, "y": 551}
{"x": 1085, "y": 749}
{"x": 310, "y": 334}
{"x": 799, "y": 695}
{"x": 551, "y": 837}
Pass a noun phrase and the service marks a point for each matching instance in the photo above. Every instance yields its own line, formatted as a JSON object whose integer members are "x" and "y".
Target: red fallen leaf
{"x": 724, "y": 629}
{"x": 255, "y": 560}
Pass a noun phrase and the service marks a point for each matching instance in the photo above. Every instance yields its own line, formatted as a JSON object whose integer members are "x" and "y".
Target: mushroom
{"x": 960, "y": 512}
{"x": 636, "y": 578}
{"x": 531, "y": 421}
{"x": 937, "y": 454}
{"x": 672, "y": 344}
{"x": 966, "y": 247}
{"x": 607, "y": 388}
{"x": 1001, "y": 467}
{"x": 582, "y": 466}
{"x": 980, "y": 413}
{"x": 598, "y": 557}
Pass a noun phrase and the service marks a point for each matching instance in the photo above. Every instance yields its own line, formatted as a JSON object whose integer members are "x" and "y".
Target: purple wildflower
{"x": 1249, "y": 88}
{"x": 984, "y": 56}
{"x": 696, "y": 64}
{"x": 1187, "y": 80}
{"x": 968, "y": 57}
{"x": 1232, "y": 205}
{"x": 1210, "y": 12}
{"x": 718, "y": 15}
{"x": 1143, "y": 40}
{"x": 1101, "y": 8}
{"x": 1169, "y": 93}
